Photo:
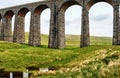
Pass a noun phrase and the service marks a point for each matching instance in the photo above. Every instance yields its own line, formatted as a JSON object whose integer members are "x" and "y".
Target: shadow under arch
{"x": 38, "y": 10}
{"x": 9, "y": 14}
{"x": 103, "y": 19}
{"x": 63, "y": 10}
{"x": 35, "y": 28}
{"x": 23, "y": 11}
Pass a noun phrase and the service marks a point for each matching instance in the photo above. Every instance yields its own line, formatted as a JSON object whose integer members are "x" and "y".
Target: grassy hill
{"x": 75, "y": 40}
{"x": 100, "y": 60}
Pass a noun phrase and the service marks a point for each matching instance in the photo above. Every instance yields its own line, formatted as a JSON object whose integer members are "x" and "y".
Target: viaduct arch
{"x": 57, "y": 26}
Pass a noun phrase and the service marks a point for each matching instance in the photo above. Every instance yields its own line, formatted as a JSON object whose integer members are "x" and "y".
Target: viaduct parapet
{"x": 57, "y": 23}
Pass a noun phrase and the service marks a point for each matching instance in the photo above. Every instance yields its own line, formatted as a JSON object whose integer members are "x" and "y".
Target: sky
{"x": 100, "y": 18}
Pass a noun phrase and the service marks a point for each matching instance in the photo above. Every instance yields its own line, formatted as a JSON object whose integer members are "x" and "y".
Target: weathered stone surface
{"x": 85, "y": 38}
{"x": 19, "y": 33}
{"x": 34, "y": 38}
{"x": 53, "y": 34}
{"x": 7, "y": 30}
{"x": 57, "y": 22}
{"x": 116, "y": 28}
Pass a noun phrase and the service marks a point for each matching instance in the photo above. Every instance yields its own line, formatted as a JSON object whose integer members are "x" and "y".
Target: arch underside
{"x": 9, "y": 14}
{"x": 38, "y": 10}
{"x": 22, "y": 12}
{"x": 67, "y": 4}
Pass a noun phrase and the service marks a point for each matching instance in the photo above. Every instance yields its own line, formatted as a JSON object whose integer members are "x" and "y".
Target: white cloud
{"x": 101, "y": 19}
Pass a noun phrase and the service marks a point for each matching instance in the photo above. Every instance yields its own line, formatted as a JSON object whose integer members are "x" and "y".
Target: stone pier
{"x": 57, "y": 22}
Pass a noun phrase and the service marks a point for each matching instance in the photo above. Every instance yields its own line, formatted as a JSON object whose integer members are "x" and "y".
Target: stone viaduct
{"x": 57, "y": 26}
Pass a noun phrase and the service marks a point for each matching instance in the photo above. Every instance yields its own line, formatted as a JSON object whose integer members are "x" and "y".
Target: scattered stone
{"x": 30, "y": 68}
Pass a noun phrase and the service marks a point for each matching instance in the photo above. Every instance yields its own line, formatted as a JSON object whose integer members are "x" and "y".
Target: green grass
{"x": 101, "y": 40}
{"x": 16, "y": 57}
{"x": 74, "y": 40}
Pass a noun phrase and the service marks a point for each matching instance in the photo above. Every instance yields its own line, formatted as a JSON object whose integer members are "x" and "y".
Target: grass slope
{"x": 96, "y": 61}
